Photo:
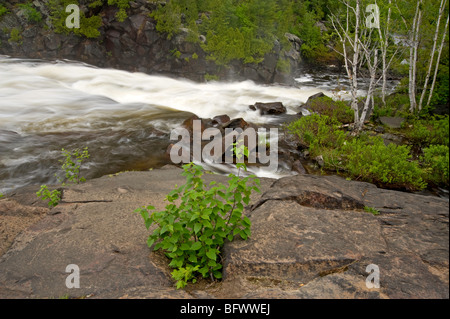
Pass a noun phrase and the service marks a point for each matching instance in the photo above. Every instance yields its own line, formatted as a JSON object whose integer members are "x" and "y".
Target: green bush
{"x": 431, "y": 131}
{"x": 436, "y": 163}
{"x": 369, "y": 159}
{"x": 333, "y": 109}
{"x": 362, "y": 158}
{"x": 88, "y": 25}
{"x": 3, "y": 10}
{"x": 53, "y": 197}
{"x": 15, "y": 36}
{"x": 317, "y": 132}
{"x": 193, "y": 233}
{"x": 71, "y": 167}
{"x": 31, "y": 13}
{"x": 121, "y": 15}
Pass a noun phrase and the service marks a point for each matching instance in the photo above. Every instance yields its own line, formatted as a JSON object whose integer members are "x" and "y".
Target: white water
{"x": 121, "y": 116}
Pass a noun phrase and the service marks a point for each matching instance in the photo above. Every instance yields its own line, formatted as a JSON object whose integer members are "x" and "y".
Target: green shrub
{"x": 317, "y": 131}
{"x": 15, "y": 36}
{"x": 372, "y": 210}
{"x": 54, "y": 197}
{"x": 424, "y": 132}
{"x": 121, "y": 15}
{"x": 333, "y": 109}
{"x": 88, "y": 25}
{"x": 369, "y": 159}
{"x": 3, "y": 10}
{"x": 436, "y": 163}
{"x": 31, "y": 13}
{"x": 71, "y": 165}
{"x": 362, "y": 158}
{"x": 193, "y": 233}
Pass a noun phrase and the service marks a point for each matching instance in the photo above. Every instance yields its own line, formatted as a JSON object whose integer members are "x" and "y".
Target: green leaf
{"x": 197, "y": 227}
{"x": 196, "y": 246}
{"x": 211, "y": 254}
{"x": 150, "y": 242}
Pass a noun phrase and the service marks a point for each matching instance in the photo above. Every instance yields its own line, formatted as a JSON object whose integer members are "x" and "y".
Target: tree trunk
{"x": 414, "y": 45}
{"x": 430, "y": 66}
{"x": 437, "y": 64}
{"x": 356, "y": 53}
{"x": 384, "y": 53}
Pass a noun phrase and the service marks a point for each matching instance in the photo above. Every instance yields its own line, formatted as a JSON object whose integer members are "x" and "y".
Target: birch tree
{"x": 437, "y": 63}
{"x": 433, "y": 51}
{"x": 365, "y": 46}
{"x": 413, "y": 55}
{"x": 351, "y": 38}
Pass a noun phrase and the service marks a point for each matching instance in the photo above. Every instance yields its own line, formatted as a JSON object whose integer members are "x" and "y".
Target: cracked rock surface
{"x": 310, "y": 231}
{"x": 311, "y": 238}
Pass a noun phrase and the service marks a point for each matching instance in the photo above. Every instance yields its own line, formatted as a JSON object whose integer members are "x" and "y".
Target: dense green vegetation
{"x": 244, "y": 30}
{"x": 367, "y": 157}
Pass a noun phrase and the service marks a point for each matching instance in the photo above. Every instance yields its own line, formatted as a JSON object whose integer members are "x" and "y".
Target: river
{"x": 123, "y": 118}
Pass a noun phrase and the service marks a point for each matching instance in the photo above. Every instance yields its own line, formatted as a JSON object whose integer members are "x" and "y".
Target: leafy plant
{"x": 88, "y": 25}
{"x": 436, "y": 163}
{"x": 3, "y": 10}
{"x": 54, "y": 197}
{"x": 121, "y": 15}
{"x": 72, "y": 163}
{"x": 429, "y": 131}
{"x": 71, "y": 166}
{"x": 193, "y": 232}
{"x": 317, "y": 131}
{"x": 184, "y": 275}
{"x": 31, "y": 13}
{"x": 333, "y": 109}
{"x": 372, "y": 210}
{"x": 15, "y": 36}
{"x": 369, "y": 159}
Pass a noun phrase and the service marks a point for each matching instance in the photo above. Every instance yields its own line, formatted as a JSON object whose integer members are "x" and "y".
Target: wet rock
{"x": 221, "y": 119}
{"x": 275, "y": 108}
{"x": 237, "y": 123}
{"x": 313, "y": 98}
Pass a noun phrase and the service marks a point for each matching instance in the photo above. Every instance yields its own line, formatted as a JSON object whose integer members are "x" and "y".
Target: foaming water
{"x": 124, "y": 118}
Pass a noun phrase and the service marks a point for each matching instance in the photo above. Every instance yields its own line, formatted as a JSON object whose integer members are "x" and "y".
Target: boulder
{"x": 274, "y": 108}
{"x": 312, "y": 98}
{"x": 392, "y": 122}
{"x": 221, "y": 119}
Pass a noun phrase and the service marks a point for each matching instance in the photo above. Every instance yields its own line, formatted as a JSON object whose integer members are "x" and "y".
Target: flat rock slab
{"x": 311, "y": 234}
{"x": 311, "y": 238}
{"x": 95, "y": 228}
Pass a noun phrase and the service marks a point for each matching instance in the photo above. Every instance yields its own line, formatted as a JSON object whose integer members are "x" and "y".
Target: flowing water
{"x": 124, "y": 118}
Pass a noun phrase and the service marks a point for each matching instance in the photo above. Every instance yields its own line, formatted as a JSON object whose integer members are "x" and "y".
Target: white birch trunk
{"x": 433, "y": 51}
{"x": 437, "y": 64}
